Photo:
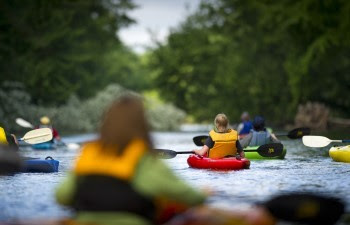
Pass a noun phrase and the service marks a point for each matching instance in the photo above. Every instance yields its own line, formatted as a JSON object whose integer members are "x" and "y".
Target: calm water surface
{"x": 31, "y": 195}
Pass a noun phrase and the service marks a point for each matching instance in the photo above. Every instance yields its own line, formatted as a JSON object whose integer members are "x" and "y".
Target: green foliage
{"x": 262, "y": 56}
{"x": 80, "y": 116}
{"x": 58, "y": 48}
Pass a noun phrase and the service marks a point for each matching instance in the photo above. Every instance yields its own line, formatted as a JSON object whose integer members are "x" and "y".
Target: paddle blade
{"x": 165, "y": 153}
{"x": 306, "y": 208}
{"x": 316, "y": 141}
{"x": 23, "y": 123}
{"x": 270, "y": 150}
{"x": 200, "y": 140}
{"x": 37, "y": 136}
{"x": 299, "y": 132}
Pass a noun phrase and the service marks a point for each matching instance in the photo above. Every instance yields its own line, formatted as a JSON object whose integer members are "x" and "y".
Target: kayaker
{"x": 222, "y": 141}
{"x": 8, "y": 139}
{"x": 258, "y": 135}
{"x": 245, "y": 126}
{"x": 118, "y": 180}
{"x": 46, "y": 122}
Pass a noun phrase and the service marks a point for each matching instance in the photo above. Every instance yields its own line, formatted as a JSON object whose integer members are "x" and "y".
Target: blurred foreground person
{"x": 118, "y": 180}
{"x": 10, "y": 160}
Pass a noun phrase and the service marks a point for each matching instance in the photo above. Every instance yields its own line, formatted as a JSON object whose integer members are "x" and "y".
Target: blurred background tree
{"x": 58, "y": 48}
{"x": 266, "y": 57}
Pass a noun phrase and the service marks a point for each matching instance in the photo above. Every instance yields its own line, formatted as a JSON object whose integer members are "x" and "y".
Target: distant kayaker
{"x": 8, "y": 139}
{"x": 222, "y": 141}
{"x": 118, "y": 180}
{"x": 258, "y": 135}
{"x": 46, "y": 122}
{"x": 245, "y": 126}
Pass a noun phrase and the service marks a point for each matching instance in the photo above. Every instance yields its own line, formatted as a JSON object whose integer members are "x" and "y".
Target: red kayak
{"x": 231, "y": 163}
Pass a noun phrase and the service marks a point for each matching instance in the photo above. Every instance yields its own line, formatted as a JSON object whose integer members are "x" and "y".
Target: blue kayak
{"x": 44, "y": 146}
{"x": 47, "y": 165}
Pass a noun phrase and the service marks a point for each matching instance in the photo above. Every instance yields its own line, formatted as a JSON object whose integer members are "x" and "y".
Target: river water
{"x": 31, "y": 195}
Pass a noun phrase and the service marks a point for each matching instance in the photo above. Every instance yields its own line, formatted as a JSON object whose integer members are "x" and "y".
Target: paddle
{"x": 296, "y": 133}
{"x": 200, "y": 140}
{"x": 37, "y": 136}
{"x": 306, "y": 208}
{"x": 267, "y": 150}
{"x": 293, "y": 134}
{"x": 169, "y": 154}
{"x": 319, "y": 141}
{"x": 23, "y": 123}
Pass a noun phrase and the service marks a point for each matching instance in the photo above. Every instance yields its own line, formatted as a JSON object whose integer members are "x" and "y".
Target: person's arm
{"x": 274, "y": 139}
{"x": 154, "y": 178}
{"x": 244, "y": 142}
{"x": 55, "y": 134}
{"x": 65, "y": 191}
{"x": 12, "y": 140}
{"x": 202, "y": 151}
{"x": 240, "y": 127}
{"x": 209, "y": 143}
{"x": 240, "y": 149}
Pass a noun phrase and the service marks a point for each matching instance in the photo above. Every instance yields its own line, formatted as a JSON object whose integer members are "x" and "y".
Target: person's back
{"x": 245, "y": 126}
{"x": 222, "y": 141}
{"x": 258, "y": 135}
{"x": 117, "y": 179}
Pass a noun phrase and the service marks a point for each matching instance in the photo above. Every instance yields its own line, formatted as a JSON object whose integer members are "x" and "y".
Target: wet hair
{"x": 123, "y": 122}
{"x": 259, "y": 123}
{"x": 221, "y": 121}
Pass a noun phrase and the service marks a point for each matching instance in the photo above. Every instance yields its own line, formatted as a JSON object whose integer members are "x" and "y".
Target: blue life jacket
{"x": 247, "y": 126}
{"x": 260, "y": 138}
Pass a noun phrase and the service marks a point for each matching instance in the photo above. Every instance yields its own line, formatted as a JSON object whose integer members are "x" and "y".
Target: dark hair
{"x": 123, "y": 122}
{"x": 259, "y": 123}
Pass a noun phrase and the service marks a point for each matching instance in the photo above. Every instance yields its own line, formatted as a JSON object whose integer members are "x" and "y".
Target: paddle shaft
{"x": 186, "y": 152}
{"x": 26, "y": 138}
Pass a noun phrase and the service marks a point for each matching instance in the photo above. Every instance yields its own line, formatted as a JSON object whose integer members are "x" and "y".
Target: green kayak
{"x": 251, "y": 153}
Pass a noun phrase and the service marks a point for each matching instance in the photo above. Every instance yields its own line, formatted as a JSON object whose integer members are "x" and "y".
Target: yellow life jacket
{"x": 103, "y": 181}
{"x": 104, "y": 184}
{"x": 93, "y": 161}
{"x": 3, "y": 139}
{"x": 224, "y": 144}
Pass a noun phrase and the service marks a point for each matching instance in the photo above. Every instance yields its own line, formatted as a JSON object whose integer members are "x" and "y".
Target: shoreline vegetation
{"x": 83, "y": 116}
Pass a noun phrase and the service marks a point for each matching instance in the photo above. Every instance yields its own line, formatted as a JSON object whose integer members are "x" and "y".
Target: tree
{"x": 263, "y": 56}
{"x": 56, "y": 48}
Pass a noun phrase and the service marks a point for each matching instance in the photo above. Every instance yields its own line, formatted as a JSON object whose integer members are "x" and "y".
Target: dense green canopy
{"x": 262, "y": 56}
{"x": 60, "y": 47}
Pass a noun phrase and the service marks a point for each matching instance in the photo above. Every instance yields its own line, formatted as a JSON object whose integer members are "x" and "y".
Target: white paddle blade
{"x": 316, "y": 141}
{"x": 24, "y": 123}
{"x": 38, "y": 136}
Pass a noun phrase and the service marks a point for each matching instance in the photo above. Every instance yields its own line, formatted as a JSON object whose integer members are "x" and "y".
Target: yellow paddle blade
{"x": 38, "y": 136}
